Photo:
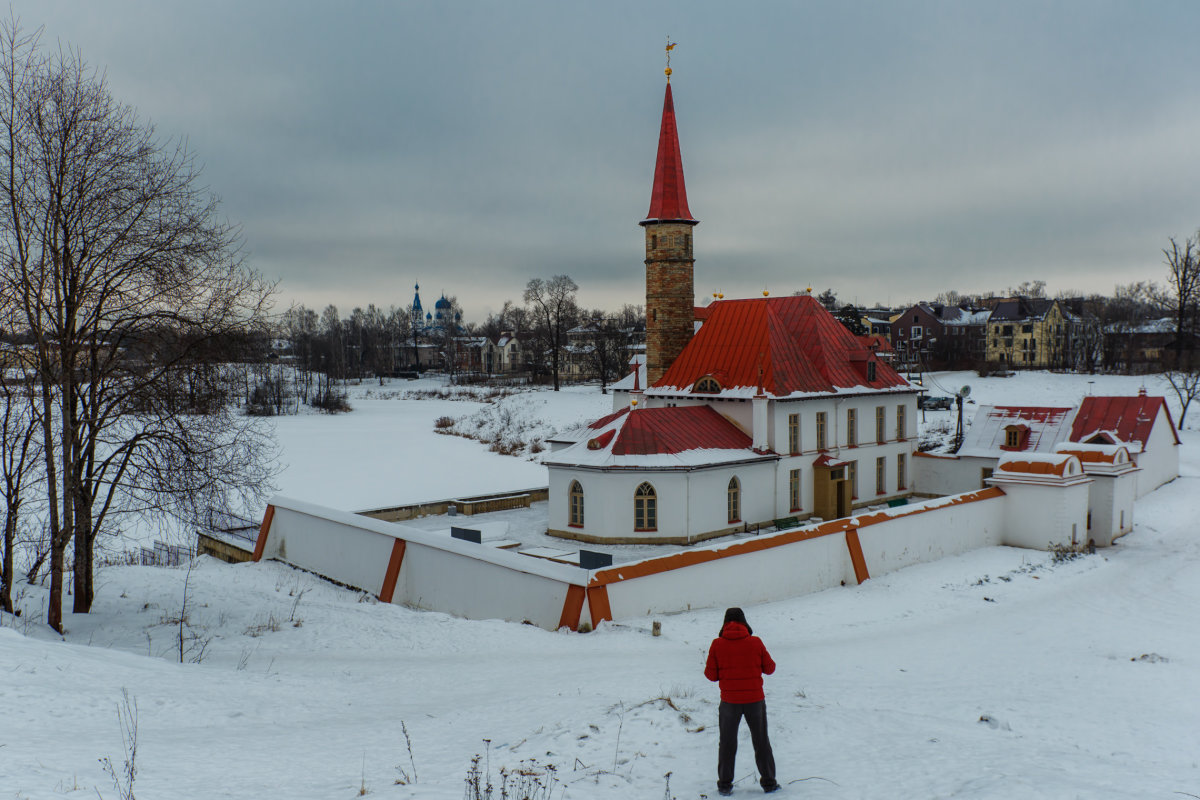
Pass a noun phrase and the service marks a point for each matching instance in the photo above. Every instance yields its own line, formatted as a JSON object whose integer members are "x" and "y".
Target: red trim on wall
{"x": 572, "y": 608}
{"x": 598, "y": 604}
{"x": 393, "y": 571}
{"x": 263, "y": 530}
{"x": 856, "y": 556}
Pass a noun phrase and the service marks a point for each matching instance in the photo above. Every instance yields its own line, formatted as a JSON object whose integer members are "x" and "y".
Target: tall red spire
{"x": 668, "y": 200}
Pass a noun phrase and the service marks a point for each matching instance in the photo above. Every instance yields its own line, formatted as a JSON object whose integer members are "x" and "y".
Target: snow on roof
{"x": 965, "y": 317}
{"x": 1039, "y": 429}
{"x": 790, "y": 346}
{"x": 1129, "y": 419}
{"x": 1164, "y": 325}
{"x": 1062, "y": 465}
{"x": 626, "y": 383}
{"x": 1095, "y": 453}
{"x": 672, "y": 437}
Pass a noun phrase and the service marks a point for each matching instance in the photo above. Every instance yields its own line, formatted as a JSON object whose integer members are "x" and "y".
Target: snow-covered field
{"x": 998, "y": 674}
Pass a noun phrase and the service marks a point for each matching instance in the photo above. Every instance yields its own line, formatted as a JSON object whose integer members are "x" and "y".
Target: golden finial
{"x": 670, "y": 47}
{"x": 765, "y": 293}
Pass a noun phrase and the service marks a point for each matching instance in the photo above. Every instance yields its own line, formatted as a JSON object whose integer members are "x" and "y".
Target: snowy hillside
{"x": 998, "y": 674}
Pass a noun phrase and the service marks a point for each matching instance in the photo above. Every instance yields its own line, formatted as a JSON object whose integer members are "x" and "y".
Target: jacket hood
{"x": 734, "y": 630}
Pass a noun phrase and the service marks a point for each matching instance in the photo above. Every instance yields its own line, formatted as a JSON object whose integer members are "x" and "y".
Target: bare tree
{"x": 1183, "y": 291}
{"x": 123, "y": 275}
{"x": 1028, "y": 289}
{"x": 19, "y": 456}
{"x": 1186, "y": 384}
{"x": 552, "y": 305}
{"x": 609, "y": 344}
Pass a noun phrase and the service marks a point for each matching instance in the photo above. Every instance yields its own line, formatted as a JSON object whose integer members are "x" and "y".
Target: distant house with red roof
{"x": 1142, "y": 424}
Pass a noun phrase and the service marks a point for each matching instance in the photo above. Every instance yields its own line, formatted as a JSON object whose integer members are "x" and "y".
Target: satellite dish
{"x": 964, "y": 391}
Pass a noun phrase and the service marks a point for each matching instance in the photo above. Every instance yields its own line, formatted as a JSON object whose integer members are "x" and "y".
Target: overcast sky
{"x": 889, "y": 151}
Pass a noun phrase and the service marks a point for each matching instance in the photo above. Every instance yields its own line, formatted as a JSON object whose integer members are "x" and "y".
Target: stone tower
{"x": 670, "y": 293}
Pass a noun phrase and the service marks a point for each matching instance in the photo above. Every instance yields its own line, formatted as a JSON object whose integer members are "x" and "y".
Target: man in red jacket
{"x": 738, "y": 659}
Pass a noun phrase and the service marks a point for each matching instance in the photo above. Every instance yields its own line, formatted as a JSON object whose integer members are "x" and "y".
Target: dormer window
{"x": 706, "y": 385}
{"x": 870, "y": 371}
{"x": 1016, "y": 437}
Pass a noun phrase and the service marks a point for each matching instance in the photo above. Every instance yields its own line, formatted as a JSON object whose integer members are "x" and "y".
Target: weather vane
{"x": 670, "y": 47}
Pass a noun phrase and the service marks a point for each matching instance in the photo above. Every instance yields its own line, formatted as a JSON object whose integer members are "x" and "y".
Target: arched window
{"x": 733, "y": 500}
{"x": 706, "y": 385}
{"x": 575, "y": 495}
{"x": 645, "y": 508}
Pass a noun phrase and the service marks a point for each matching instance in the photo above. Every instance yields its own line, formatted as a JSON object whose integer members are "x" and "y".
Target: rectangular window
{"x": 900, "y": 426}
{"x": 917, "y": 332}
{"x": 820, "y": 430}
{"x": 881, "y": 475}
{"x": 901, "y": 472}
{"x": 880, "y": 425}
{"x": 851, "y": 427}
{"x": 794, "y": 489}
{"x": 985, "y": 473}
{"x": 852, "y": 476}
{"x": 793, "y": 433}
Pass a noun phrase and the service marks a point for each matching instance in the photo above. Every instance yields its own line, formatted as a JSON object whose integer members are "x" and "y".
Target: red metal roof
{"x": 677, "y": 430}
{"x": 877, "y": 342}
{"x": 668, "y": 199}
{"x": 600, "y": 423}
{"x": 1130, "y": 417}
{"x": 799, "y": 346}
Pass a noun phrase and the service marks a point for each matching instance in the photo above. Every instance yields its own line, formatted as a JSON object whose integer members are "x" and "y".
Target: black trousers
{"x": 729, "y": 717}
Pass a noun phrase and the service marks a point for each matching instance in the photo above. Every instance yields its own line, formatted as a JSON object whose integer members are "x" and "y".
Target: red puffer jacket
{"x": 738, "y": 660}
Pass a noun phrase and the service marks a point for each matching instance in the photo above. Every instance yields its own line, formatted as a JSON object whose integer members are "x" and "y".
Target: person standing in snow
{"x": 738, "y": 660}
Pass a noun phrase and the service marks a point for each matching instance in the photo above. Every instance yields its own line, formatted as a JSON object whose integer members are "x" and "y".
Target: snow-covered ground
{"x": 997, "y": 674}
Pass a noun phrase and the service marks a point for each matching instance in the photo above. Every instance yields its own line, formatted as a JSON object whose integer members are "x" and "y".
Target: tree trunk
{"x": 6, "y": 569}
{"x": 85, "y": 539}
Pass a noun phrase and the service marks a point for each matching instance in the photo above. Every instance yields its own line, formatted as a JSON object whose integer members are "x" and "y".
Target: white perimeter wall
{"x": 478, "y": 582}
{"x": 942, "y": 475}
{"x": 437, "y": 573}
{"x": 754, "y": 571}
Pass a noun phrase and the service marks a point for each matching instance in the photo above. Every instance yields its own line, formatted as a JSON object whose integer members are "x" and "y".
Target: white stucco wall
{"x": 690, "y": 503}
{"x": 918, "y": 538}
{"x": 1110, "y": 499}
{"x": 1040, "y": 516}
{"x": 889, "y": 540}
{"x": 1159, "y": 459}
{"x": 780, "y": 572}
{"x": 942, "y": 475}
{"x": 438, "y": 573}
